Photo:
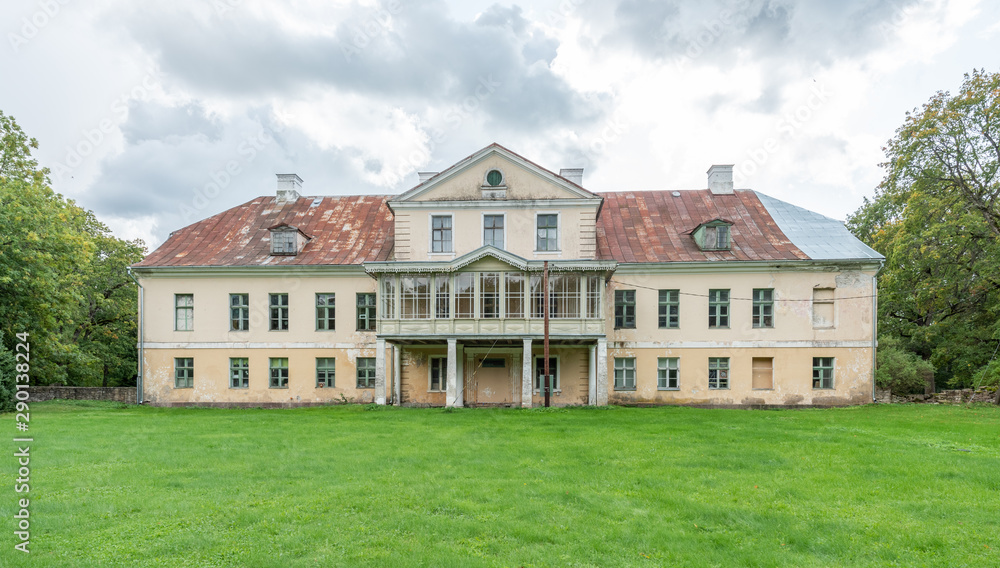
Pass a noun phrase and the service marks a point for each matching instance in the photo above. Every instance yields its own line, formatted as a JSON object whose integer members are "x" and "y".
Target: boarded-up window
{"x": 763, "y": 373}
{"x": 823, "y": 307}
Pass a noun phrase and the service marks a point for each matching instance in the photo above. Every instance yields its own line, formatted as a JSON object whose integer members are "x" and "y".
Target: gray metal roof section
{"x": 822, "y": 238}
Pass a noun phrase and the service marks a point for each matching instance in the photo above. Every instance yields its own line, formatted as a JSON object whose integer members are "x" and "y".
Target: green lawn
{"x": 352, "y": 486}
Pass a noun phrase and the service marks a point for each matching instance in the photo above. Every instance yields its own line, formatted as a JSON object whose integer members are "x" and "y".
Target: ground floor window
{"x": 540, "y": 372}
{"x": 239, "y": 372}
{"x": 279, "y": 372}
{"x": 718, "y": 372}
{"x": 822, "y": 372}
{"x": 183, "y": 372}
{"x": 366, "y": 372}
{"x": 439, "y": 374}
{"x": 668, "y": 374}
{"x": 326, "y": 372}
{"x": 624, "y": 373}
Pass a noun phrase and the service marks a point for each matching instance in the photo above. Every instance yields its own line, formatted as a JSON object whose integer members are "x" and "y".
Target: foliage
{"x": 7, "y": 375}
{"x": 673, "y": 486}
{"x": 901, "y": 371}
{"x": 62, "y": 277}
{"x": 936, "y": 218}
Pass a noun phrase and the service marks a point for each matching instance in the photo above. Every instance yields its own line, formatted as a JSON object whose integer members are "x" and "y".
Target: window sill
{"x": 718, "y": 388}
{"x": 278, "y": 330}
{"x": 365, "y": 388}
{"x": 718, "y": 327}
{"x": 824, "y": 388}
{"x": 278, "y": 388}
{"x": 440, "y": 254}
{"x": 621, "y": 328}
{"x": 326, "y": 330}
{"x": 763, "y": 327}
{"x": 668, "y": 388}
{"x": 624, "y": 389}
{"x": 762, "y": 389}
{"x": 182, "y": 388}
{"x": 553, "y": 391}
{"x": 669, "y": 328}
{"x": 238, "y": 330}
{"x": 240, "y": 388}
{"x": 325, "y": 386}
{"x": 547, "y": 252}
{"x": 184, "y": 330}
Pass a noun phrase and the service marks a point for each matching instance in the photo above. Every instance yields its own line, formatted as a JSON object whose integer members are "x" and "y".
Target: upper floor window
{"x": 489, "y": 294}
{"x": 415, "y": 296}
{"x": 669, "y": 309}
{"x": 239, "y": 312}
{"x": 547, "y": 232}
{"x": 184, "y": 312}
{"x": 465, "y": 295}
{"x": 494, "y": 178}
{"x": 514, "y": 302}
{"x": 325, "y": 312}
{"x": 624, "y": 309}
{"x": 823, "y": 308}
{"x": 442, "y": 296}
{"x": 366, "y": 312}
{"x": 718, "y": 308}
{"x": 441, "y": 233}
{"x": 284, "y": 241}
{"x": 493, "y": 229}
{"x": 279, "y": 312}
{"x": 763, "y": 307}
{"x": 714, "y": 235}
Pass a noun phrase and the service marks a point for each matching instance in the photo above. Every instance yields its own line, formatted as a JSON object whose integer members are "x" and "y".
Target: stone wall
{"x": 116, "y": 394}
{"x": 956, "y": 396}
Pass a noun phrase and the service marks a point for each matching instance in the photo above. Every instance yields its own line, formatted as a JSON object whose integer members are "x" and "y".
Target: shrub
{"x": 901, "y": 371}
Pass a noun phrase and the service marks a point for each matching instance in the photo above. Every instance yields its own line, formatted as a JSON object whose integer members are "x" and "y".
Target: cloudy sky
{"x": 156, "y": 115}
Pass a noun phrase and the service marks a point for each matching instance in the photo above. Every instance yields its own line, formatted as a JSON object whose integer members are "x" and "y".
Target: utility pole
{"x": 545, "y": 343}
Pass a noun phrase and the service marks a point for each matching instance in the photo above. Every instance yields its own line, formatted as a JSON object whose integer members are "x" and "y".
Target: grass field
{"x": 357, "y": 486}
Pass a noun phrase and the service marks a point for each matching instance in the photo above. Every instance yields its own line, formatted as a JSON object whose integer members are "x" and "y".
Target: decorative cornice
{"x": 579, "y": 265}
{"x": 497, "y": 204}
{"x": 747, "y": 266}
{"x": 294, "y": 270}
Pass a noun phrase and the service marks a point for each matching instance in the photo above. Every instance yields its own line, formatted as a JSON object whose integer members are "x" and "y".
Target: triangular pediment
{"x": 494, "y": 173}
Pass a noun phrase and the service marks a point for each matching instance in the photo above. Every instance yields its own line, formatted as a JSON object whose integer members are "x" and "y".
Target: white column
{"x": 526, "y": 375}
{"x": 602, "y": 372}
{"x": 397, "y": 372}
{"x": 592, "y": 376}
{"x": 460, "y": 372}
{"x": 451, "y": 389}
{"x": 379, "y": 371}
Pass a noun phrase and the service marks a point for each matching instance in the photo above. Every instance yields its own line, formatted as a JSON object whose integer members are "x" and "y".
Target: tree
{"x": 936, "y": 217}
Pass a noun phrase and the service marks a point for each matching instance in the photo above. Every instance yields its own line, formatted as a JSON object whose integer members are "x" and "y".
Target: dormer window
{"x": 714, "y": 235}
{"x": 287, "y": 240}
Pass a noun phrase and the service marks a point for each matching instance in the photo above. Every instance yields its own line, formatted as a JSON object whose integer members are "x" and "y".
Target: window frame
{"x": 289, "y": 241}
{"x": 327, "y": 313}
{"x": 720, "y": 365}
{"x": 485, "y": 298}
{"x": 663, "y": 371}
{"x": 243, "y": 317}
{"x": 516, "y": 298}
{"x": 722, "y": 319}
{"x": 622, "y": 384}
{"x": 188, "y": 309}
{"x": 450, "y": 229}
{"x": 503, "y": 229}
{"x": 621, "y": 319}
{"x": 558, "y": 240}
{"x": 411, "y": 299}
{"x": 243, "y": 370}
{"x": 271, "y": 368}
{"x": 663, "y": 315}
{"x": 274, "y": 323}
{"x": 188, "y": 368}
{"x": 328, "y": 381}
{"x": 537, "y": 374}
{"x": 831, "y": 301}
{"x": 761, "y": 305}
{"x": 369, "y": 365}
{"x": 441, "y": 360}
{"x": 370, "y": 311}
{"x": 820, "y": 367}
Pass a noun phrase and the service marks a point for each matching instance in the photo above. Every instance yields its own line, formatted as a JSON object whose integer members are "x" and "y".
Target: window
{"x": 184, "y": 312}
{"x": 713, "y": 236}
{"x": 564, "y": 295}
{"x": 494, "y": 178}
{"x": 493, "y": 230}
{"x": 537, "y": 296}
{"x": 493, "y": 363}
{"x": 763, "y": 373}
{"x": 763, "y": 307}
{"x": 625, "y": 373}
{"x": 279, "y": 372}
{"x": 326, "y": 372}
{"x": 668, "y": 375}
{"x": 718, "y": 308}
{"x": 822, "y": 372}
{"x": 670, "y": 309}
{"x": 823, "y": 307}
{"x": 514, "y": 295}
{"x": 325, "y": 312}
{"x": 465, "y": 295}
{"x": 239, "y": 312}
{"x": 284, "y": 242}
{"x": 540, "y": 372}
{"x": 594, "y": 289}
{"x": 388, "y": 296}
{"x": 279, "y": 312}
{"x": 366, "y": 372}
{"x": 415, "y": 296}
{"x": 366, "y": 312}
{"x": 489, "y": 294}
{"x": 718, "y": 372}
{"x": 442, "y": 297}
{"x": 547, "y": 233}
{"x": 437, "y": 381}
{"x": 441, "y": 233}
{"x": 183, "y": 372}
{"x": 239, "y": 372}
{"x": 721, "y": 237}
{"x": 624, "y": 309}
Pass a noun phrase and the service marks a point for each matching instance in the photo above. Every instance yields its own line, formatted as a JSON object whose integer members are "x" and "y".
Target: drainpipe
{"x": 875, "y": 322}
{"x": 142, "y": 318}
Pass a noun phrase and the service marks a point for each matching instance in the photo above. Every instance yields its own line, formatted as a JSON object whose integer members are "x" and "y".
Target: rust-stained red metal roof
{"x": 345, "y": 230}
{"x": 655, "y": 226}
